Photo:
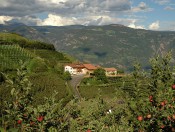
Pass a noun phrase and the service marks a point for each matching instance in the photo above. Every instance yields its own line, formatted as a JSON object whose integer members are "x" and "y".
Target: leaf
{"x": 13, "y": 130}
{"x": 2, "y": 129}
{"x": 12, "y": 91}
{"x": 8, "y": 111}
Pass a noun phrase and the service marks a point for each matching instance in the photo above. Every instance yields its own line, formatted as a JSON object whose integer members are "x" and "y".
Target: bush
{"x": 37, "y": 65}
{"x": 19, "y": 114}
{"x": 66, "y": 76}
{"x": 100, "y": 75}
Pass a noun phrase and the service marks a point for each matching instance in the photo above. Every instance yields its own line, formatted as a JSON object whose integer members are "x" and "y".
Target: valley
{"x": 109, "y": 45}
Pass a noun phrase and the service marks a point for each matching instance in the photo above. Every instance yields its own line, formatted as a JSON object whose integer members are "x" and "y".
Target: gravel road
{"x": 76, "y": 79}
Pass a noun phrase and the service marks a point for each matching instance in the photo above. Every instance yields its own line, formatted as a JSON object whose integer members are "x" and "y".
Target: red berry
{"x": 173, "y": 86}
{"x": 162, "y": 126}
{"x": 140, "y": 118}
{"x": 19, "y": 121}
{"x": 151, "y": 100}
{"x": 162, "y": 103}
{"x": 40, "y": 118}
{"x": 88, "y": 130}
{"x": 150, "y": 97}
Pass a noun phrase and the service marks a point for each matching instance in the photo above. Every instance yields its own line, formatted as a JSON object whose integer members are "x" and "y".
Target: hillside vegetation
{"x": 143, "y": 101}
{"x": 109, "y": 45}
{"x": 44, "y": 66}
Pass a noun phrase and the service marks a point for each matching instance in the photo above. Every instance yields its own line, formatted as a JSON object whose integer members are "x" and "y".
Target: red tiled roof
{"x": 75, "y": 65}
{"x": 90, "y": 66}
{"x": 110, "y": 69}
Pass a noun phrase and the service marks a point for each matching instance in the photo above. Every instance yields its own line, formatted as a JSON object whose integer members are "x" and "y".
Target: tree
{"x": 100, "y": 75}
{"x": 66, "y": 76}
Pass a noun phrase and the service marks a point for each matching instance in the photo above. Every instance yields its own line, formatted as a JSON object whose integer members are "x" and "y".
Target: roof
{"x": 75, "y": 65}
{"x": 90, "y": 66}
{"x": 110, "y": 69}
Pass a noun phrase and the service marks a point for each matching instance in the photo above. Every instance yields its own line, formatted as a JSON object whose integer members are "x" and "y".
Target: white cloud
{"x": 142, "y": 7}
{"x": 55, "y": 20}
{"x": 154, "y": 26}
{"x": 133, "y": 25}
{"x": 4, "y": 19}
{"x": 53, "y": 1}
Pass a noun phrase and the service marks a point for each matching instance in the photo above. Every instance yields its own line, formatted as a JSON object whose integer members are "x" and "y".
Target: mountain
{"x": 108, "y": 45}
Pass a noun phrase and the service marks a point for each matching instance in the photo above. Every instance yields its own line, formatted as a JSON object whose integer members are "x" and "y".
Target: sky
{"x": 139, "y": 14}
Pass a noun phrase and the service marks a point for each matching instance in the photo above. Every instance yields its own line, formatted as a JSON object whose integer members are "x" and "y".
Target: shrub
{"x": 18, "y": 114}
{"x": 100, "y": 75}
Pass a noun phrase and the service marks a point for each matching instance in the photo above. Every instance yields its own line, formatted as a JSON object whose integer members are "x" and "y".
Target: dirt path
{"x": 76, "y": 79}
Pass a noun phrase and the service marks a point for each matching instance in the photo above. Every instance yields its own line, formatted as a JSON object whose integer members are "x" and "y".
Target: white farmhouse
{"x": 74, "y": 69}
{"x": 69, "y": 69}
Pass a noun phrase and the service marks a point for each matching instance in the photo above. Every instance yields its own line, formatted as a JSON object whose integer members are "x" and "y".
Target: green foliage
{"x": 45, "y": 67}
{"x": 11, "y": 56}
{"x": 100, "y": 75}
{"x": 156, "y": 113}
{"x": 19, "y": 113}
{"x": 11, "y": 39}
{"x": 37, "y": 65}
{"x": 67, "y": 76}
{"x": 51, "y": 58}
{"x": 44, "y": 84}
{"x": 90, "y": 92}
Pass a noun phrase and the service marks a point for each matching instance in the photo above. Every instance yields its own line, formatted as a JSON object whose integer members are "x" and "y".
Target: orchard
{"x": 145, "y": 104}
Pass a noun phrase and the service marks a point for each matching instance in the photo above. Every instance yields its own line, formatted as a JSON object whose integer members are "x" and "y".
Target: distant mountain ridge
{"x": 109, "y": 45}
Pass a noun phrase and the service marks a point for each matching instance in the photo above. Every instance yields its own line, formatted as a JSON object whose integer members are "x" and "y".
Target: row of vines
{"x": 11, "y": 55}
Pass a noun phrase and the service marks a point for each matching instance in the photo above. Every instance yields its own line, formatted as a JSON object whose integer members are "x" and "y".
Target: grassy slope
{"x": 44, "y": 66}
{"x": 108, "y": 91}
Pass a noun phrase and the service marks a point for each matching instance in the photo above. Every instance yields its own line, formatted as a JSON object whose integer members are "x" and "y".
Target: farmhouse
{"x": 74, "y": 69}
{"x": 110, "y": 71}
{"x": 88, "y": 69}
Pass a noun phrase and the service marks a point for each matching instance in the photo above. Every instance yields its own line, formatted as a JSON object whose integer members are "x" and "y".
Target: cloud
{"x": 4, "y": 19}
{"x": 65, "y": 12}
{"x": 55, "y": 20}
{"x": 133, "y": 25}
{"x": 29, "y": 20}
{"x": 62, "y": 7}
{"x": 169, "y": 8}
{"x": 97, "y": 21}
{"x": 142, "y": 7}
{"x": 154, "y": 26}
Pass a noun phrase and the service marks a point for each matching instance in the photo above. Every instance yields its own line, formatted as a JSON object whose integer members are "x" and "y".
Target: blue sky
{"x": 146, "y": 14}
